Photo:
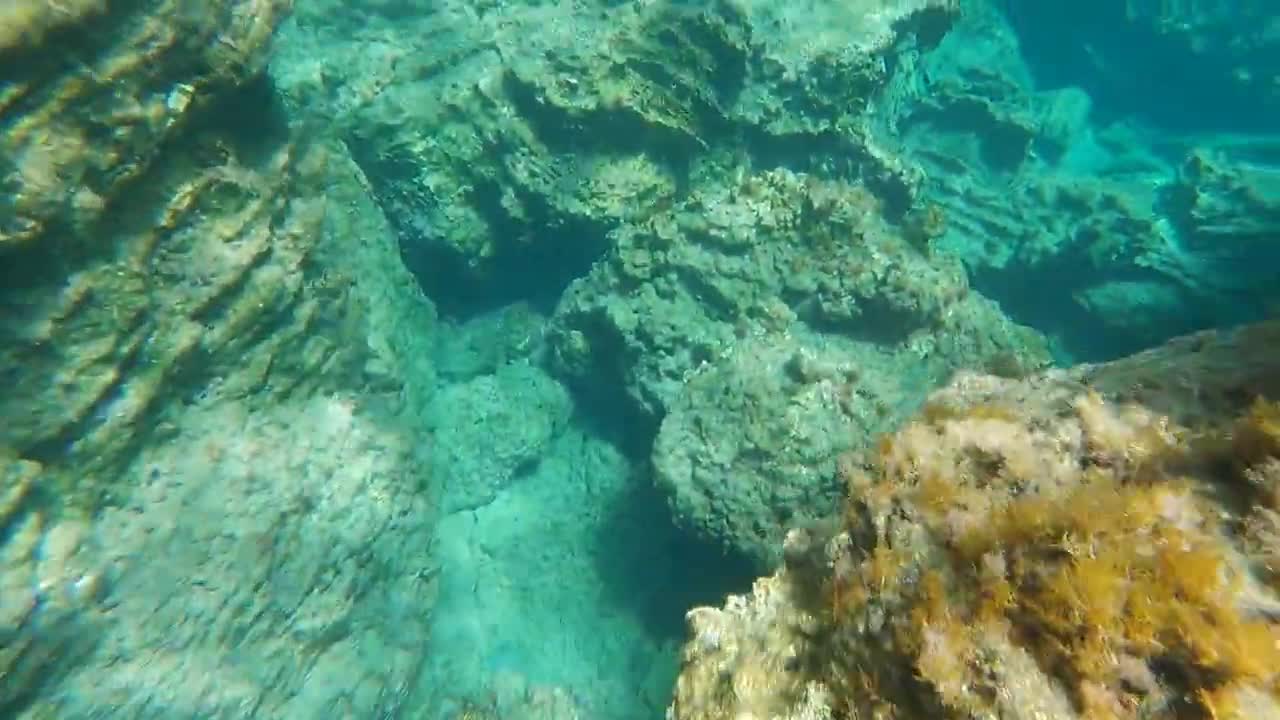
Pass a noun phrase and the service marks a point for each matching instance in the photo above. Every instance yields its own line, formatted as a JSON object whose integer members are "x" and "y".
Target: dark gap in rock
{"x": 1060, "y": 314}
{"x": 251, "y": 115}
{"x": 650, "y": 566}
{"x": 536, "y": 272}
{"x": 612, "y": 131}
{"x": 657, "y": 571}
{"x": 829, "y": 156}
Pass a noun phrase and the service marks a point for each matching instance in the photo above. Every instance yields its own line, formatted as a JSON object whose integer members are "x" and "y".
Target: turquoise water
{"x": 405, "y": 359}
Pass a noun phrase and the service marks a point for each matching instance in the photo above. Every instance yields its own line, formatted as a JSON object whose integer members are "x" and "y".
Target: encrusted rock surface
{"x": 1109, "y": 233}
{"x": 489, "y": 430}
{"x": 205, "y": 340}
{"x": 504, "y": 137}
{"x": 91, "y": 96}
{"x": 624, "y": 152}
{"x": 770, "y": 324}
{"x": 520, "y": 150}
{"x": 1092, "y": 543}
{"x": 212, "y": 503}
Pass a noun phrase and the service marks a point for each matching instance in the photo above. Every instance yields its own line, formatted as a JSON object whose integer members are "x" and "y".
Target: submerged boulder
{"x": 768, "y": 325}
{"x": 203, "y": 461}
{"x": 1097, "y": 542}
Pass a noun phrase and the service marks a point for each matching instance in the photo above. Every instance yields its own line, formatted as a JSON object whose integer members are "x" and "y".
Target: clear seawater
{"x": 1110, "y": 177}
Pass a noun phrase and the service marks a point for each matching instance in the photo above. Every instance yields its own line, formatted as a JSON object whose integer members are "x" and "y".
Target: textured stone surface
{"x": 624, "y": 152}
{"x": 507, "y": 141}
{"x": 206, "y": 338}
{"x": 153, "y": 278}
{"x": 1098, "y": 542}
{"x": 509, "y": 138}
{"x": 743, "y": 660}
{"x": 769, "y": 324}
{"x": 79, "y": 132}
{"x": 488, "y": 431}
{"x": 1107, "y": 233}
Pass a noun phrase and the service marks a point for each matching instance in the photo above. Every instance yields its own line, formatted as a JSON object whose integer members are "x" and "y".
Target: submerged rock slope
{"x": 681, "y": 183}
{"x": 505, "y": 141}
{"x": 1088, "y": 221}
{"x": 203, "y": 459}
{"x": 770, "y": 324}
{"x": 1094, "y": 543}
{"x": 551, "y": 154}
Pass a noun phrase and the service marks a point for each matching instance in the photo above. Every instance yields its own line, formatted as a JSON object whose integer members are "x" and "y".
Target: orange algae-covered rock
{"x": 1093, "y": 543}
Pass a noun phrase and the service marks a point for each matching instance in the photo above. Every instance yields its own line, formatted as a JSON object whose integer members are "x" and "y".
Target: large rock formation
{"x": 770, "y": 324}
{"x": 1102, "y": 229}
{"x": 624, "y": 165}
{"x": 204, "y": 347}
{"x": 1102, "y": 542}
{"x": 505, "y": 140}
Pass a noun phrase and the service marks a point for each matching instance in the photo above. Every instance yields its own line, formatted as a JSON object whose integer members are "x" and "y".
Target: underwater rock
{"x": 90, "y": 97}
{"x": 1225, "y": 206}
{"x": 1088, "y": 543}
{"x": 513, "y": 414}
{"x": 720, "y": 319}
{"x": 505, "y": 141}
{"x": 206, "y": 365}
{"x": 748, "y": 449}
{"x": 514, "y": 697}
{"x": 483, "y": 343}
{"x": 1108, "y": 234}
